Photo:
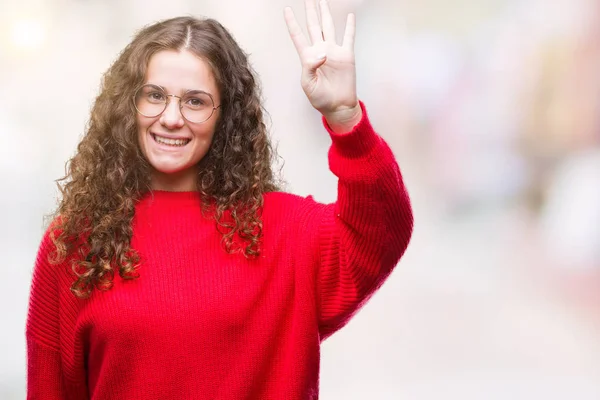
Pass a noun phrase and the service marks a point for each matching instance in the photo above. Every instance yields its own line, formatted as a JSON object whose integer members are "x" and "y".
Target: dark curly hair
{"x": 109, "y": 174}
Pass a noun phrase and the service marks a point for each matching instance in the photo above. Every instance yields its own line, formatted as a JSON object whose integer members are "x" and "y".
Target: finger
{"x": 312, "y": 22}
{"x": 327, "y": 22}
{"x": 313, "y": 65}
{"x": 350, "y": 32}
{"x": 296, "y": 34}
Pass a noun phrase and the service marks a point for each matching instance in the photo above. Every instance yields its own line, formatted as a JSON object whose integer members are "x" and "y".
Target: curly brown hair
{"x": 109, "y": 174}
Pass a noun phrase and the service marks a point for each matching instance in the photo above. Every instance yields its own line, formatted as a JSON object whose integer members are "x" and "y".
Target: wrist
{"x": 343, "y": 121}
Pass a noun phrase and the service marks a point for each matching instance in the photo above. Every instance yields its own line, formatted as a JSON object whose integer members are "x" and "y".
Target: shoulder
{"x": 283, "y": 198}
{"x": 52, "y": 252}
{"x": 289, "y": 202}
{"x": 47, "y": 242}
{"x": 281, "y": 207}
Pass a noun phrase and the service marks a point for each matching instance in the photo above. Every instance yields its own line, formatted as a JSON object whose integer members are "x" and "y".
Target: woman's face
{"x": 171, "y": 143}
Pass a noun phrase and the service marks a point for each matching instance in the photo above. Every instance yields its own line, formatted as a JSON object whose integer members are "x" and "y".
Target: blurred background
{"x": 493, "y": 110}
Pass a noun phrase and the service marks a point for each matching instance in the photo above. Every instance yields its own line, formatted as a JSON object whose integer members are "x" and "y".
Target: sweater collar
{"x": 170, "y": 199}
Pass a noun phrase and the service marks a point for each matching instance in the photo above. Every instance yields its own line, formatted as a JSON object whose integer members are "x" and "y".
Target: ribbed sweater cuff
{"x": 356, "y": 143}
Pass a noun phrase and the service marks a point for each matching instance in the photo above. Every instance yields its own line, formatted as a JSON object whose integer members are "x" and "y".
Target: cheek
{"x": 141, "y": 124}
{"x": 205, "y": 132}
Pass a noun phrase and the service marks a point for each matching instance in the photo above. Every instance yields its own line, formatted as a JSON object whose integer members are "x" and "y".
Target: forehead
{"x": 178, "y": 71}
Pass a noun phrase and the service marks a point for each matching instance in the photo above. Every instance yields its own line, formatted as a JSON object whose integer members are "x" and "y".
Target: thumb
{"x": 313, "y": 65}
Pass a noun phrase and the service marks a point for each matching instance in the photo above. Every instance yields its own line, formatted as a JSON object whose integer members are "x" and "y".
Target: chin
{"x": 167, "y": 169}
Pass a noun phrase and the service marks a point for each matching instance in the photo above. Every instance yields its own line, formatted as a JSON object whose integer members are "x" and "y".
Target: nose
{"x": 171, "y": 118}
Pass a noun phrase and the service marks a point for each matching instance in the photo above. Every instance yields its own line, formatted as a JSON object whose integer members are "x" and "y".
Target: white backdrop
{"x": 465, "y": 315}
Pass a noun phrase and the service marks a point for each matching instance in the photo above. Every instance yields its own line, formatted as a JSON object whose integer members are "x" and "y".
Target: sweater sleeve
{"x": 365, "y": 232}
{"x": 44, "y": 377}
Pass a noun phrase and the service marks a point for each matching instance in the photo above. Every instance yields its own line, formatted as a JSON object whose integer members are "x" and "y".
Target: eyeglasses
{"x": 196, "y": 106}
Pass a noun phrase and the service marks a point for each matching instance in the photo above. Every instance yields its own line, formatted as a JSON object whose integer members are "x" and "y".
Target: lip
{"x": 170, "y": 136}
{"x": 167, "y": 148}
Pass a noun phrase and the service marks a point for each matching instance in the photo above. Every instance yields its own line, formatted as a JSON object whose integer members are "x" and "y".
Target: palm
{"x": 329, "y": 82}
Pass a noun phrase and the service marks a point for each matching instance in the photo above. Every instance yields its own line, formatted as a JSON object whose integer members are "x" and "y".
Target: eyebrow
{"x": 183, "y": 91}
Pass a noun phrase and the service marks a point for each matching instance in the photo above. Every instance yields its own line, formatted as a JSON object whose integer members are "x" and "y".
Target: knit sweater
{"x": 200, "y": 323}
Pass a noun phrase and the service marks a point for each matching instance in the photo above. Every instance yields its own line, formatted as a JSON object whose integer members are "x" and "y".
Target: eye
{"x": 195, "y": 102}
{"x": 155, "y": 97}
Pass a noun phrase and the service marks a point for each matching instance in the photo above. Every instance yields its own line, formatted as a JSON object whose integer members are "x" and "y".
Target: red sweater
{"x": 202, "y": 324}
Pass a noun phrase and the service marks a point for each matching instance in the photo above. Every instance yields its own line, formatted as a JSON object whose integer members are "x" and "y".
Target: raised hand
{"x": 328, "y": 69}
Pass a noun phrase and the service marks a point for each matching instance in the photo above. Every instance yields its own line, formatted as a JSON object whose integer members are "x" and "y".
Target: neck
{"x": 183, "y": 181}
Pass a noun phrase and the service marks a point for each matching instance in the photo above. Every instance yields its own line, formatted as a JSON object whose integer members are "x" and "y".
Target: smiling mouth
{"x": 170, "y": 142}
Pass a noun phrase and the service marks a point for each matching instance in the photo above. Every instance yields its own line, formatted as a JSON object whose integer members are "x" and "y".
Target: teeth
{"x": 171, "y": 142}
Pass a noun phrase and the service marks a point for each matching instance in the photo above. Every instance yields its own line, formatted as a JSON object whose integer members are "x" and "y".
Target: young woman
{"x": 174, "y": 269}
